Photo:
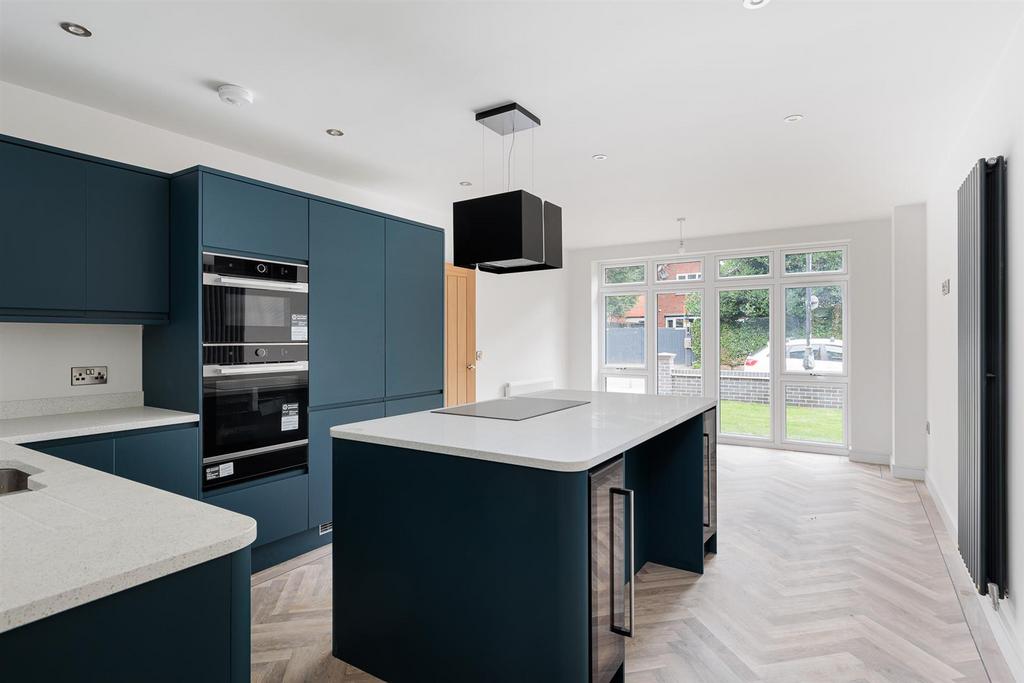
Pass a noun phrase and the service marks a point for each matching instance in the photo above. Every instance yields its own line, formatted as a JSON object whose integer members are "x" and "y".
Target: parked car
{"x": 827, "y": 356}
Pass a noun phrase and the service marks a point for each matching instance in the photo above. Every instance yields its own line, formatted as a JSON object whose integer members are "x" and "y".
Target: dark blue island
{"x": 480, "y": 549}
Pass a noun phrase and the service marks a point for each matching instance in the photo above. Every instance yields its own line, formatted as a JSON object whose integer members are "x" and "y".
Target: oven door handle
{"x": 228, "y": 281}
{"x": 255, "y": 369}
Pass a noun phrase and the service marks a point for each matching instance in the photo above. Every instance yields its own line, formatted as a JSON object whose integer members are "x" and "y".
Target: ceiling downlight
{"x": 794, "y": 118}
{"x": 334, "y": 132}
{"x": 76, "y": 29}
{"x": 755, "y": 4}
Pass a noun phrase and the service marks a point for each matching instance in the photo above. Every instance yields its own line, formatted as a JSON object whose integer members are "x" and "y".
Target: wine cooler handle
{"x": 628, "y": 494}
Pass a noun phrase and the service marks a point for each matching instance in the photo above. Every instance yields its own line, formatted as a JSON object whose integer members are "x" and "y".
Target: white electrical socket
{"x": 95, "y": 374}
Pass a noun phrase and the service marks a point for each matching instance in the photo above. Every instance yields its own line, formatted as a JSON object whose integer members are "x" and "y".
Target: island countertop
{"x": 80, "y": 534}
{"x": 570, "y": 440}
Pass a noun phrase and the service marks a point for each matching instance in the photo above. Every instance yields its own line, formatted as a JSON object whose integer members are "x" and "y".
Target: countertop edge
{"x": 93, "y": 430}
{"x": 344, "y": 432}
{"x": 81, "y": 595}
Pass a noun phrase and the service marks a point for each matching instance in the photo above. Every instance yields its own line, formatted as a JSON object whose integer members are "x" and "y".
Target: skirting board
{"x": 869, "y": 458}
{"x": 915, "y": 473}
{"x": 1001, "y": 622}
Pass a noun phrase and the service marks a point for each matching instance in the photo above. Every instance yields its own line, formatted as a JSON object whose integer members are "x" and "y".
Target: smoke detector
{"x": 234, "y": 95}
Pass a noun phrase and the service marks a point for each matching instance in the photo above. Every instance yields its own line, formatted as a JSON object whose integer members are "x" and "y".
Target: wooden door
{"x": 459, "y": 335}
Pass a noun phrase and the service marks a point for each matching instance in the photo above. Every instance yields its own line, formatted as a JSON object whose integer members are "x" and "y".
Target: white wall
{"x": 522, "y": 329}
{"x": 508, "y": 353}
{"x": 909, "y": 365}
{"x": 870, "y": 321}
{"x": 995, "y": 128}
{"x": 36, "y": 360}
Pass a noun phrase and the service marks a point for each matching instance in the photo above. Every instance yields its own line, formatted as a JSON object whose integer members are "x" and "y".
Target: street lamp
{"x": 810, "y": 303}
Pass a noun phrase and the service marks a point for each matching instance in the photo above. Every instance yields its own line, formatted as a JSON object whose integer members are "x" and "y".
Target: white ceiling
{"x": 686, "y": 99}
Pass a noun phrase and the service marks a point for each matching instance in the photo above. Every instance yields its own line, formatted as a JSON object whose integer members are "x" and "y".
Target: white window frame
{"x": 682, "y": 258}
{"x": 815, "y": 273}
{"x": 752, "y": 282}
{"x": 842, "y": 282}
{"x": 744, "y": 255}
{"x": 606, "y": 375}
{"x": 618, "y": 285}
{"x": 818, "y": 446}
{"x": 709, "y": 286}
{"x": 606, "y": 368}
{"x": 679, "y": 289}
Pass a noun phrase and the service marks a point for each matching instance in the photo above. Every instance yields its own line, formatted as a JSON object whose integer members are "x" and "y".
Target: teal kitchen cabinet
{"x": 280, "y": 507}
{"x": 43, "y": 233}
{"x": 414, "y": 309}
{"x": 346, "y": 305}
{"x": 167, "y": 459}
{"x": 320, "y": 458}
{"x": 413, "y": 404}
{"x": 97, "y": 453}
{"x": 248, "y": 217}
{"x": 127, "y": 240}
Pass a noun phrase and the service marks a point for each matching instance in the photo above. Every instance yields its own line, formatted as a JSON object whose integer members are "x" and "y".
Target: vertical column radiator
{"x": 981, "y": 375}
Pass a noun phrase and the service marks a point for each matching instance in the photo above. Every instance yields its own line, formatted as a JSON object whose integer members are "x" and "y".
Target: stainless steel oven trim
{"x": 215, "y": 280}
{"x": 255, "y": 343}
{"x": 260, "y": 260}
{"x": 254, "y": 451}
{"x": 244, "y": 369}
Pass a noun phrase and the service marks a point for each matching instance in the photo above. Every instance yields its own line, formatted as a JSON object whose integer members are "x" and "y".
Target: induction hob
{"x": 514, "y": 409}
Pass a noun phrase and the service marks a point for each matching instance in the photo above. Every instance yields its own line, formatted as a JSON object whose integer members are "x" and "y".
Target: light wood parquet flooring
{"x": 827, "y": 571}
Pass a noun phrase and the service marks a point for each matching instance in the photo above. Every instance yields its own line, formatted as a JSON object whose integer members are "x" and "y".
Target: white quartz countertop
{"x": 47, "y": 427}
{"x": 80, "y": 534}
{"x": 570, "y": 440}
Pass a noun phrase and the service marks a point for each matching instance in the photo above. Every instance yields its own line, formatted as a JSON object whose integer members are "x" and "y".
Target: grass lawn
{"x": 820, "y": 425}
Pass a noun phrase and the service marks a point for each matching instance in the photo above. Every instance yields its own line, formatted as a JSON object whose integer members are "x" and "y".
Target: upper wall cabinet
{"x": 127, "y": 237}
{"x": 242, "y": 216}
{"x": 82, "y": 239}
{"x": 414, "y": 276}
{"x": 346, "y": 305}
{"x": 42, "y": 235}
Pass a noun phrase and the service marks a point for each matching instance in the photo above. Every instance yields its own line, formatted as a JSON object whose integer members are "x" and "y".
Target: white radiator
{"x": 528, "y": 386}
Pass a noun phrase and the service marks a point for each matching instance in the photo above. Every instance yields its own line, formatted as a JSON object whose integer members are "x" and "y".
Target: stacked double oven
{"x": 255, "y": 369}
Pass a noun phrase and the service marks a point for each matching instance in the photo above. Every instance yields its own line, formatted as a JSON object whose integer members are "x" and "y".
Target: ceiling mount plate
{"x": 508, "y": 118}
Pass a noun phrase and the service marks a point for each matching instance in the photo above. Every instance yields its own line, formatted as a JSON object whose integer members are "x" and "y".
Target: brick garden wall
{"x": 749, "y": 387}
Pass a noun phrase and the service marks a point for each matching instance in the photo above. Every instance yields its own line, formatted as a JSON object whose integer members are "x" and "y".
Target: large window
{"x": 764, "y": 331}
{"x": 814, "y": 330}
{"x": 744, "y": 359}
{"x": 625, "y": 330}
{"x": 680, "y": 342}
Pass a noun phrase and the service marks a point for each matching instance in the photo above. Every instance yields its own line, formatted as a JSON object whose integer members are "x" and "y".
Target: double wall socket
{"x": 96, "y": 374}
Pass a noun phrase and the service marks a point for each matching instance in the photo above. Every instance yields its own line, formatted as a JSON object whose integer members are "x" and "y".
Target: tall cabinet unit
{"x": 376, "y": 298}
{"x": 376, "y": 330}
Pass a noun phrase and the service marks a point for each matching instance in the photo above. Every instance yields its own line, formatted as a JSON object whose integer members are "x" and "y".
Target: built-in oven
{"x": 254, "y": 301}
{"x": 255, "y": 411}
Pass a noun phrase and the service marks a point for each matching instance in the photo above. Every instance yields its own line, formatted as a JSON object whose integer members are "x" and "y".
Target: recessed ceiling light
{"x": 755, "y": 4}
{"x": 234, "y": 95}
{"x": 465, "y": 183}
{"x": 334, "y": 132}
{"x": 794, "y": 118}
{"x": 599, "y": 157}
{"x": 75, "y": 29}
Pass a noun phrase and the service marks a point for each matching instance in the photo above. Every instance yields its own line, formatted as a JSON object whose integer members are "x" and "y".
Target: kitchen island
{"x": 471, "y": 548}
{"x": 103, "y": 578}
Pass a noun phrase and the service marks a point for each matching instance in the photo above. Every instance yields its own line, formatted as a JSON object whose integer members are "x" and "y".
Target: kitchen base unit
{"x": 107, "y": 579}
{"x": 469, "y": 549}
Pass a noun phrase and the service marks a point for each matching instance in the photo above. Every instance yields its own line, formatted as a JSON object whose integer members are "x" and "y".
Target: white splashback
{"x": 36, "y": 361}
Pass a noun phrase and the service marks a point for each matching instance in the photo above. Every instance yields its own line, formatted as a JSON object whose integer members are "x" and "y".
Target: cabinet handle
{"x": 471, "y": 367}
{"x": 628, "y": 493}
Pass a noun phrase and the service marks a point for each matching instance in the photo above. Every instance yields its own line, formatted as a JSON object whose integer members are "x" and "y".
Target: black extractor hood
{"x": 511, "y": 232}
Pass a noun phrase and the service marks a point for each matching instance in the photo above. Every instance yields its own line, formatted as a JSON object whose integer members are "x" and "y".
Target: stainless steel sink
{"x": 12, "y": 480}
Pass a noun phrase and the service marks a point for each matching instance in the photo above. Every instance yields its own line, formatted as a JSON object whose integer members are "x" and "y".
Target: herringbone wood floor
{"x": 827, "y": 571}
